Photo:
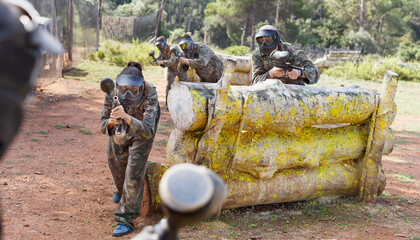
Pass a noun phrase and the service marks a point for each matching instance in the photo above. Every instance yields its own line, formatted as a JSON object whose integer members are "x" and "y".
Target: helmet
{"x": 186, "y": 44}
{"x": 130, "y": 89}
{"x": 267, "y": 38}
{"x": 161, "y": 43}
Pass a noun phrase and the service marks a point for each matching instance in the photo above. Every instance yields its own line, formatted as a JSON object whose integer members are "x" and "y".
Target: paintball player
{"x": 21, "y": 45}
{"x": 169, "y": 60}
{"x": 127, "y": 151}
{"x": 263, "y": 66}
{"x": 200, "y": 57}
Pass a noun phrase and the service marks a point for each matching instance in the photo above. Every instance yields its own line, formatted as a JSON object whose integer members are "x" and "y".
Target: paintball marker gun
{"x": 175, "y": 50}
{"x": 152, "y": 54}
{"x": 108, "y": 86}
{"x": 280, "y": 58}
{"x": 189, "y": 193}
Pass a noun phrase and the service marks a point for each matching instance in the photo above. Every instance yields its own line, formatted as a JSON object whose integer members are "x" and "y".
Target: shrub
{"x": 237, "y": 50}
{"x": 100, "y": 54}
{"x": 121, "y": 55}
{"x": 410, "y": 52}
{"x": 360, "y": 39}
{"x": 374, "y": 69}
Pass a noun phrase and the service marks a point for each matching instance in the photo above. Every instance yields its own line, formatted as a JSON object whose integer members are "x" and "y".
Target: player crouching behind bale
{"x": 129, "y": 117}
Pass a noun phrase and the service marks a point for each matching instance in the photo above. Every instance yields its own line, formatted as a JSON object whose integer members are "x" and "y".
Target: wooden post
{"x": 70, "y": 29}
{"x": 216, "y": 115}
{"x": 98, "y": 24}
{"x": 372, "y": 162}
{"x": 157, "y": 30}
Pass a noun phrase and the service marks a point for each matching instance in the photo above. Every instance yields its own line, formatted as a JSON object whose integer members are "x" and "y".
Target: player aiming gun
{"x": 108, "y": 86}
{"x": 177, "y": 53}
{"x": 280, "y": 61}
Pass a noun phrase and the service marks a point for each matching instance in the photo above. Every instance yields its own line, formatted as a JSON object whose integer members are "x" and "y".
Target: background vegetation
{"x": 385, "y": 27}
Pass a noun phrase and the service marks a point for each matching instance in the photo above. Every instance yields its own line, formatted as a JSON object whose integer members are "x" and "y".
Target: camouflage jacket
{"x": 169, "y": 59}
{"x": 144, "y": 117}
{"x": 207, "y": 65}
{"x": 262, "y": 64}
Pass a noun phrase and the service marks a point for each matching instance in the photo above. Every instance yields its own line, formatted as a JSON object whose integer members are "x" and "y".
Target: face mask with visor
{"x": 130, "y": 89}
{"x": 161, "y": 45}
{"x": 186, "y": 46}
{"x": 267, "y": 40}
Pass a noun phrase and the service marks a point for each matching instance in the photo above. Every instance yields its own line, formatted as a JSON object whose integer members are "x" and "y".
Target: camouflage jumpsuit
{"x": 127, "y": 162}
{"x": 206, "y": 64}
{"x": 262, "y": 64}
{"x": 170, "y": 61}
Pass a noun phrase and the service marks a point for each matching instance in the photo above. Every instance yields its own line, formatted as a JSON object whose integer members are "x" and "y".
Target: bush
{"x": 100, "y": 54}
{"x": 374, "y": 69}
{"x": 360, "y": 39}
{"x": 120, "y": 54}
{"x": 410, "y": 52}
{"x": 237, "y": 50}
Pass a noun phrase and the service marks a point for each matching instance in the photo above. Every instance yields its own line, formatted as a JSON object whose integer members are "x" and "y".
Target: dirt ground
{"x": 55, "y": 183}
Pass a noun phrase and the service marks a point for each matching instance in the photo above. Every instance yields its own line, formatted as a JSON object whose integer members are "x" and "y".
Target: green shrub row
{"x": 373, "y": 69}
{"x": 120, "y": 54}
{"x": 237, "y": 50}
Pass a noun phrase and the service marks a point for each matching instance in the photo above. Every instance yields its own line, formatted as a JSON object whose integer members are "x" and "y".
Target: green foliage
{"x": 100, "y": 54}
{"x": 120, "y": 54}
{"x": 176, "y": 35}
{"x": 360, "y": 39}
{"x": 237, "y": 50}
{"x": 410, "y": 52}
{"x": 136, "y": 8}
{"x": 372, "y": 68}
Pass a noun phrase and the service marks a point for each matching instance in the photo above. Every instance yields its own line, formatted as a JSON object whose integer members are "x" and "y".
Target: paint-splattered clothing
{"x": 127, "y": 161}
{"x": 170, "y": 61}
{"x": 261, "y": 64}
{"x": 207, "y": 65}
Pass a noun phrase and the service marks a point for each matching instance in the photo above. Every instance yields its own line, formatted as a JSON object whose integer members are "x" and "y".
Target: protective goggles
{"x": 130, "y": 86}
{"x": 133, "y": 91}
{"x": 266, "y": 39}
{"x": 185, "y": 45}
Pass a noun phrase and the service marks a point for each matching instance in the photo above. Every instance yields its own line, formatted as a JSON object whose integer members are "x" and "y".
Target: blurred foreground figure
{"x": 21, "y": 43}
{"x": 189, "y": 193}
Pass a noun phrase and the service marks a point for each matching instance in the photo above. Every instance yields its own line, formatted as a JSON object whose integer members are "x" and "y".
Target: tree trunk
{"x": 362, "y": 14}
{"x": 157, "y": 30}
{"x": 190, "y": 17}
{"x": 335, "y": 180}
{"x": 372, "y": 162}
{"x": 263, "y": 153}
{"x": 274, "y": 105}
{"x": 215, "y": 122}
{"x": 277, "y": 14}
{"x": 253, "y": 25}
{"x": 98, "y": 24}
{"x": 70, "y": 29}
{"x": 243, "y": 39}
{"x": 54, "y": 69}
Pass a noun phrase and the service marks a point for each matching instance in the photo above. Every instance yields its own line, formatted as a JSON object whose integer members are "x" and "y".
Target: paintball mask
{"x": 161, "y": 44}
{"x": 130, "y": 89}
{"x": 267, "y": 38}
{"x": 186, "y": 45}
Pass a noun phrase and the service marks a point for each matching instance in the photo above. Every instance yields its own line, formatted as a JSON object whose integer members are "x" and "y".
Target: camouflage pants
{"x": 128, "y": 168}
{"x": 171, "y": 77}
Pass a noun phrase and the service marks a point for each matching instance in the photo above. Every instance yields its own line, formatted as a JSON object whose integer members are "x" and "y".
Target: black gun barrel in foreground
{"x": 189, "y": 193}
